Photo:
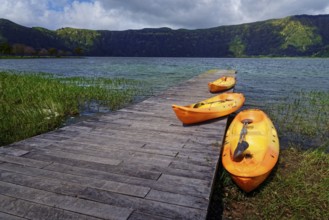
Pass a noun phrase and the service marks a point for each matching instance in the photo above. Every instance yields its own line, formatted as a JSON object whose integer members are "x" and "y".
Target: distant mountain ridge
{"x": 301, "y": 35}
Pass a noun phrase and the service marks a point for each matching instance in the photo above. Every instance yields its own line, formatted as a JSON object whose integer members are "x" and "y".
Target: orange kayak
{"x": 215, "y": 107}
{"x": 221, "y": 84}
{"x": 251, "y": 149}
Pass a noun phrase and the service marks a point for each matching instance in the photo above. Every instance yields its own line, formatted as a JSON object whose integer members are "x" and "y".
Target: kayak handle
{"x": 242, "y": 144}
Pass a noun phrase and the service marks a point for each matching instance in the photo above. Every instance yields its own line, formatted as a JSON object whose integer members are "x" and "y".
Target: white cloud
{"x": 137, "y": 14}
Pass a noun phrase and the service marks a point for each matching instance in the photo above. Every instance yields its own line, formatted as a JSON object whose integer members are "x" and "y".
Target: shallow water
{"x": 262, "y": 80}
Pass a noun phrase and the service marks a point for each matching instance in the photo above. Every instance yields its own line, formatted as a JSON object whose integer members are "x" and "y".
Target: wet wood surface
{"x": 136, "y": 163}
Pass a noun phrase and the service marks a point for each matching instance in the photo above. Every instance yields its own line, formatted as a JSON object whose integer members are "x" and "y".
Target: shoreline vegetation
{"x": 299, "y": 35}
{"x": 298, "y": 187}
{"x": 14, "y": 57}
{"x": 84, "y": 56}
{"x": 34, "y": 103}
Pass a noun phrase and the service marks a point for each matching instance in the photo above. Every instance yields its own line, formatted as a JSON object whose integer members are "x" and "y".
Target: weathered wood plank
{"x": 114, "y": 148}
{"x": 65, "y": 202}
{"x": 143, "y": 216}
{"x": 117, "y": 187}
{"x": 139, "y": 162}
{"x": 183, "y": 181}
{"x": 144, "y": 205}
{"x": 12, "y": 152}
{"x": 23, "y": 209}
{"x": 162, "y": 186}
{"x": 23, "y": 161}
{"x": 82, "y": 157}
{"x": 178, "y": 199}
{"x": 9, "y": 217}
{"x": 95, "y": 166}
{"x": 50, "y": 185}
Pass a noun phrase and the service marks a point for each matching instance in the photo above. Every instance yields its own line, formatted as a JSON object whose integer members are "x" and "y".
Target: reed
{"x": 33, "y": 103}
{"x": 298, "y": 187}
{"x": 302, "y": 119}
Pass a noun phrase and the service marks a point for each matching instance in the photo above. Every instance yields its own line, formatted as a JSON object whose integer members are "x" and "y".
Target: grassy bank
{"x": 33, "y": 103}
{"x": 298, "y": 187}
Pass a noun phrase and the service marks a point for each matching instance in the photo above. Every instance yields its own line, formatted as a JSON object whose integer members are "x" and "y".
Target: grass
{"x": 298, "y": 187}
{"x": 303, "y": 119}
{"x": 33, "y": 103}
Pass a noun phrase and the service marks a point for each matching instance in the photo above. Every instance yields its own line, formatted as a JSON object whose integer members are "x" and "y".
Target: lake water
{"x": 262, "y": 80}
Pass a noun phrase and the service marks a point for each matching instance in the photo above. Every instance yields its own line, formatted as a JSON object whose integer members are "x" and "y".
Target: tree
{"x": 52, "y": 51}
{"x": 18, "y": 49}
{"x": 78, "y": 51}
{"x": 43, "y": 52}
{"x": 29, "y": 50}
{"x": 5, "y": 48}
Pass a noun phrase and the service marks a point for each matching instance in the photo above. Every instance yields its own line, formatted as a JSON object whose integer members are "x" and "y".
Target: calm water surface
{"x": 263, "y": 81}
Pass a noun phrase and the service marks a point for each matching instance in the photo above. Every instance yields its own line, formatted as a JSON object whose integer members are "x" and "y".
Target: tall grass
{"x": 298, "y": 187}
{"x": 302, "y": 119}
{"x": 33, "y": 103}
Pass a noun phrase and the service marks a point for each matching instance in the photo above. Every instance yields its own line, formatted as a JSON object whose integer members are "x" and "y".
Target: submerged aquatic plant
{"x": 33, "y": 103}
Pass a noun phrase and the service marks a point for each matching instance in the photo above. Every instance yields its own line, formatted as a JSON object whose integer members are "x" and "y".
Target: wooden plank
{"x": 143, "y": 205}
{"x": 183, "y": 181}
{"x": 82, "y": 157}
{"x": 143, "y": 216}
{"x": 93, "y": 165}
{"x": 115, "y": 148}
{"x": 178, "y": 199}
{"x": 190, "y": 167}
{"x": 168, "y": 170}
{"x": 23, "y": 161}
{"x": 117, "y": 187}
{"x": 23, "y": 209}
{"x": 162, "y": 186}
{"x": 65, "y": 202}
{"x": 12, "y": 151}
{"x": 139, "y": 162}
{"x": 9, "y": 217}
{"x": 50, "y": 185}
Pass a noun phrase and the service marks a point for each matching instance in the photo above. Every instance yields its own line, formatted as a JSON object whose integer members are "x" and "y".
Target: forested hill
{"x": 301, "y": 35}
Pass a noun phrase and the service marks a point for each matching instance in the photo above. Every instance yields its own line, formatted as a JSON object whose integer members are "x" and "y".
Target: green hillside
{"x": 301, "y": 35}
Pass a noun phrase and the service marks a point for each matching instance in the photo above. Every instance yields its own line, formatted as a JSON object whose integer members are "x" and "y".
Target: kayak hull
{"x": 222, "y": 84}
{"x": 215, "y": 107}
{"x": 261, "y": 155}
{"x": 249, "y": 184}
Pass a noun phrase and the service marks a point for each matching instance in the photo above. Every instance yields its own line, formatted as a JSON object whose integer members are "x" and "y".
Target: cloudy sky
{"x": 138, "y": 14}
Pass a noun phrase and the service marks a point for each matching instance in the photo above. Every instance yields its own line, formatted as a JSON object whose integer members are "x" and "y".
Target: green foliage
{"x": 78, "y": 51}
{"x": 5, "y": 48}
{"x": 292, "y": 36}
{"x": 78, "y": 37}
{"x": 237, "y": 47}
{"x": 31, "y": 104}
{"x": 296, "y": 34}
{"x": 324, "y": 52}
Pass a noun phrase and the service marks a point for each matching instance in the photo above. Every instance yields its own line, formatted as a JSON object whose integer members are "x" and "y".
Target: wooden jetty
{"x": 136, "y": 163}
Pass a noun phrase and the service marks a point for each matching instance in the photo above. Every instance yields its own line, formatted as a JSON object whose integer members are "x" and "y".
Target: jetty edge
{"x": 139, "y": 162}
